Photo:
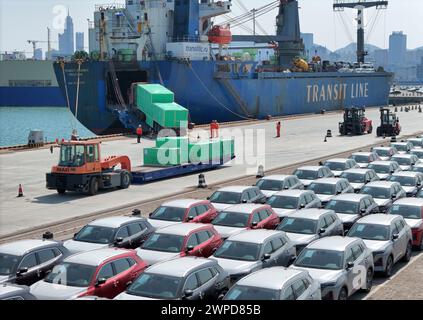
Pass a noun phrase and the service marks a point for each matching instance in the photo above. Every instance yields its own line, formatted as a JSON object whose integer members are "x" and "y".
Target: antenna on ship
{"x": 360, "y": 6}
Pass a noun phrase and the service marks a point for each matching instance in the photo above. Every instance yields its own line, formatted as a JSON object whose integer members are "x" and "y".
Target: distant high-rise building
{"x": 397, "y": 48}
{"x": 79, "y": 41}
{"x": 66, "y": 39}
{"x": 420, "y": 70}
{"x": 38, "y": 54}
{"x": 308, "y": 39}
{"x": 381, "y": 57}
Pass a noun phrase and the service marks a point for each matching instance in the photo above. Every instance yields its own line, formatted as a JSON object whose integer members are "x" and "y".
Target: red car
{"x": 240, "y": 217}
{"x": 103, "y": 273}
{"x": 183, "y": 210}
{"x": 179, "y": 240}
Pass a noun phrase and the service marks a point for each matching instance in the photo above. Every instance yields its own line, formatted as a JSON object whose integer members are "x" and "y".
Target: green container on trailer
{"x": 227, "y": 147}
{"x": 162, "y": 157}
{"x": 172, "y": 142}
{"x": 170, "y": 115}
{"x": 148, "y": 94}
{"x": 215, "y": 149}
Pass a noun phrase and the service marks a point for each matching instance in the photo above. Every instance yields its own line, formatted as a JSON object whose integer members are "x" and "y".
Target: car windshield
{"x": 306, "y": 174}
{"x": 369, "y": 231}
{"x": 8, "y": 264}
{"x": 169, "y": 214}
{"x": 236, "y": 250}
{"x": 360, "y": 158}
{"x": 408, "y": 212}
{"x": 419, "y": 154}
{"x": 320, "y": 259}
{"x": 267, "y": 184}
{"x": 155, "y": 286}
{"x": 402, "y": 161}
{"x": 401, "y": 147}
{"x": 231, "y": 219}
{"x": 71, "y": 274}
{"x": 283, "y": 202}
{"x": 336, "y": 166}
{"x": 226, "y": 197}
{"x": 239, "y": 292}
{"x": 164, "y": 242}
{"x": 418, "y": 169}
{"x": 96, "y": 234}
{"x": 380, "y": 168}
{"x": 382, "y": 152}
{"x": 322, "y": 188}
{"x": 377, "y": 192}
{"x": 354, "y": 177}
{"x": 298, "y": 225}
{"x": 72, "y": 156}
{"x": 404, "y": 181}
{"x": 347, "y": 207}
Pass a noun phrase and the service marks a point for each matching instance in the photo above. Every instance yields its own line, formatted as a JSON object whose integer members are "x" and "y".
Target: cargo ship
{"x": 174, "y": 43}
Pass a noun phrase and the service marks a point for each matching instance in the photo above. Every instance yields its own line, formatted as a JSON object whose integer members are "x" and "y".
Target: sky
{"x": 22, "y": 20}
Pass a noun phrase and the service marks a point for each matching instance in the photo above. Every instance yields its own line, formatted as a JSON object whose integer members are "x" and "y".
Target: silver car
{"x": 410, "y": 181}
{"x": 9, "y": 291}
{"x": 229, "y": 196}
{"x": 385, "y": 153}
{"x": 417, "y": 142}
{"x": 272, "y": 184}
{"x": 403, "y": 146}
{"x": 364, "y": 158}
{"x": 384, "y": 169}
{"x": 276, "y": 283}
{"x": 254, "y": 250}
{"x": 351, "y": 207}
{"x": 305, "y": 226}
{"x": 418, "y": 152}
{"x": 411, "y": 209}
{"x": 342, "y": 265}
{"x": 387, "y": 236}
{"x": 286, "y": 202}
{"x": 327, "y": 188}
{"x": 308, "y": 174}
{"x": 384, "y": 193}
{"x": 338, "y": 165}
{"x": 418, "y": 168}
{"x": 359, "y": 177}
{"x": 406, "y": 161}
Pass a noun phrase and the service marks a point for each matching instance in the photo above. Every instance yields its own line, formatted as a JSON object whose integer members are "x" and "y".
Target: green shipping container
{"x": 162, "y": 157}
{"x": 170, "y": 115}
{"x": 172, "y": 142}
{"x": 227, "y": 147}
{"x": 148, "y": 94}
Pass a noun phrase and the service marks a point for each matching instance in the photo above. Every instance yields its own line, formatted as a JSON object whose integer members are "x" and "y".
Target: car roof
{"x": 180, "y": 267}
{"x": 416, "y": 149}
{"x": 410, "y": 201}
{"x": 328, "y": 180}
{"x": 338, "y": 160}
{"x": 310, "y": 168}
{"x": 21, "y": 247}
{"x": 403, "y": 155}
{"x": 359, "y": 171}
{"x": 277, "y": 177}
{"x": 362, "y": 153}
{"x": 237, "y": 189}
{"x": 353, "y": 197}
{"x": 182, "y": 229}
{"x": 381, "y": 184}
{"x": 336, "y": 243}
{"x": 382, "y": 162}
{"x": 378, "y": 218}
{"x": 292, "y": 192}
{"x": 270, "y": 278}
{"x": 182, "y": 203}
{"x": 255, "y": 236}
{"x": 96, "y": 257}
{"x": 406, "y": 174}
{"x": 114, "y": 222}
{"x": 311, "y": 214}
{"x": 399, "y": 143}
{"x": 383, "y": 148}
{"x": 246, "y": 208}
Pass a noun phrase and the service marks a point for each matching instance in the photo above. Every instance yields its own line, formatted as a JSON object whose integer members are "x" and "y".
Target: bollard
{"x": 202, "y": 181}
{"x": 260, "y": 172}
{"x": 47, "y": 235}
{"x": 329, "y": 134}
{"x": 326, "y": 140}
{"x": 396, "y": 109}
{"x": 136, "y": 212}
{"x": 20, "y": 191}
{"x": 402, "y": 109}
{"x": 420, "y": 109}
{"x": 394, "y": 139}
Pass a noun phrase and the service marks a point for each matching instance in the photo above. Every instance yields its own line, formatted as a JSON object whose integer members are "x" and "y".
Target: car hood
{"x": 151, "y": 257}
{"x": 236, "y": 266}
{"x": 269, "y": 193}
{"x": 325, "y": 197}
{"x": 158, "y": 224}
{"x": 305, "y": 182}
{"x": 298, "y": 238}
{"x": 283, "y": 212}
{"x": 221, "y": 206}
{"x": 382, "y": 202}
{"x": 405, "y": 168}
{"x": 410, "y": 189}
{"x": 226, "y": 232}
{"x": 413, "y": 223}
{"x": 4, "y": 278}
{"x": 347, "y": 218}
{"x": 125, "y": 296}
{"x": 52, "y": 291}
{"x": 384, "y": 158}
{"x": 356, "y": 186}
{"x": 383, "y": 176}
{"x": 322, "y": 275}
{"x": 337, "y": 173}
{"x": 362, "y": 165}
{"x": 81, "y": 246}
{"x": 376, "y": 245}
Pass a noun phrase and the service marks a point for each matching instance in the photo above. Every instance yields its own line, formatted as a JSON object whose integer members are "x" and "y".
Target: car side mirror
{"x": 393, "y": 196}
{"x": 119, "y": 240}
{"x": 419, "y": 184}
{"x": 363, "y": 211}
{"x": 350, "y": 265}
{"x": 208, "y": 198}
{"x": 244, "y": 201}
{"x": 368, "y": 180}
{"x": 22, "y": 271}
{"x": 190, "y": 218}
{"x": 100, "y": 282}
{"x": 188, "y": 293}
{"x": 128, "y": 284}
{"x": 75, "y": 235}
{"x": 392, "y": 171}
{"x": 395, "y": 236}
{"x": 254, "y": 224}
{"x": 302, "y": 206}
{"x": 286, "y": 187}
{"x": 150, "y": 214}
{"x": 189, "y": 249}
{"x": 266, "y": 256}
{"x": 322, "y": 230}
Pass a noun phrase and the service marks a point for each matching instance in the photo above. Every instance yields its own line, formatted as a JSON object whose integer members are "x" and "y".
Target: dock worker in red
{"x": 216, "y": 128}
{"x": 139, "y": 133}
{"x": 278, "y": 129}
{"x": 212, "y": 129}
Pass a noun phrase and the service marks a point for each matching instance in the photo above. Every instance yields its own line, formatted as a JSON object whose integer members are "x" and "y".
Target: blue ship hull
{"x": 220, "y": 91}
{"x": 31, "y": 97}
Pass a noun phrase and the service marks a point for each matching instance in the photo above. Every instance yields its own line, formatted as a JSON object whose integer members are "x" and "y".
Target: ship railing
{"x": 184, "y": 39}
{"x": 109, "y": 6}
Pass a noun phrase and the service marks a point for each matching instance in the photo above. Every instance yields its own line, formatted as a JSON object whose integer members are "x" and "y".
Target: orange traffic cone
{"x": 20, "y": 191}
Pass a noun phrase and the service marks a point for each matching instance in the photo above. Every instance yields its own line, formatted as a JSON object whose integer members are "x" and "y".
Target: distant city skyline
{"x": 29, "y": 19}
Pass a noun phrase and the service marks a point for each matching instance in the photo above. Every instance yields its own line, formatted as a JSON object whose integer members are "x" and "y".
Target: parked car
{"x": 183, "y": 210}
{"x": 308, "y": 174}
{"x": 25, "y": 262}
{"x": 229, "y": 196}
{"x": 385, "y": 153}
{"x": 327, "y": 188}
{"x": 410, "y": 181}
{"x": 334, "y": 261}
{"x": 359, "y": 177}
{"x": 384, "y": 169}
{"x": 9, "y": 291}
{"x": 417, "y": 142}
{"x": 103, "y": 273}
{"x": 286, "y": 202}
{"x": 276, "y": 283}
{"x": 403, "y": 146}
{"x": 271, "y": 184}
{"x": 387, "y": 236}
{"x": 253, "y": 250}
{"x": 364, "y": 158}
{"x": 184, "y": 239}
{"x": 384, "y": 193}
{"x": 120, "y": 232}
{"x": 411, "y": 209}
{"x": 351, "y": 207}
{"x": 187, "y": 278}
{"x": 242, "y": 217}
{"x": 418, "y": 168}
{"x": 338, "y": 165}
{"x": 417, "y": 152}
{"x": 305, "y": 226}
{"x": 406, "y": 161}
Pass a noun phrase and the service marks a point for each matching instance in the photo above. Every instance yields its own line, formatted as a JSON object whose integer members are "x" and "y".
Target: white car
{"x": 385, "y": 153}
{"x": 228, "y": 196}
{"x": 364, "y": 158}
{"x": 384, "y": 193}
{"x": 270, "y": 185}
{"x": 338, "y": 165}
{"x": 359, "y": 177}
{"x": 308, "y": 174}
{"x": 406, "y": 161}
{"x": 410, "y": 181}
{"x": 384, "y": 169}
{"x": 327, "y": 188}
{"x": 403, "y": 147}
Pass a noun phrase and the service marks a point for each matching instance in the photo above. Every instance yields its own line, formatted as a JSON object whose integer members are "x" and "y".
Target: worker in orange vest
{"x": 139, "y": 133}
{"x": 278, "y": 129}
{"x": 216, "y": 128}
{"x": 212, "y": 129}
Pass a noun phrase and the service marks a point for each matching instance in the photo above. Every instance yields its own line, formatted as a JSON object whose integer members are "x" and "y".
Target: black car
{"x": 28, "y": 261}
{"x": 10, "y": 291}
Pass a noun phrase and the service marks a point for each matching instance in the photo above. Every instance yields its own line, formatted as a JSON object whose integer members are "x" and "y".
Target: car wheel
{"x": 343, "y": 294}
{"x": 93, "y": 187}
{"x": 369, "y": 280}
{"x": 407, "y": 255}
{"x": 389, "y": 266}
{"x": 61, "y": 191}
{"x": 125, "y": 180}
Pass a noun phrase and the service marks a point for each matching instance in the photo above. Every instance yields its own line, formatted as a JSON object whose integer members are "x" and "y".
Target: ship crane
{"x": 34, "y": 45}
{"x": 360, "y": 5}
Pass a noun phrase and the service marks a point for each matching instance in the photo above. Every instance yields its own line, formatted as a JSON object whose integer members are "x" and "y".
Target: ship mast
{"x": 359, "y": 5}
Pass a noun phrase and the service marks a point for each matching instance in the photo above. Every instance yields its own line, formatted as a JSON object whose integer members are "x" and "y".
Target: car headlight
{"x": 376, "y": 253}
{"x": 326, "y": 285}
